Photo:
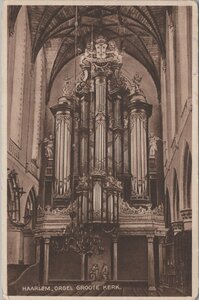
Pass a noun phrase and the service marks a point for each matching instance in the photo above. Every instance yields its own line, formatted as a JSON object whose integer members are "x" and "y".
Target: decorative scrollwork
{"x": 126, "y": 209}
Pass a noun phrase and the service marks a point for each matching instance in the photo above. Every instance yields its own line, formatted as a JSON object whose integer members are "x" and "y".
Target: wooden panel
{"x": 64, "y": 266}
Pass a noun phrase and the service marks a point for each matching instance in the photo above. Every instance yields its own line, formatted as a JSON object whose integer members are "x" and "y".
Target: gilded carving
{"x": 126, "y": 209}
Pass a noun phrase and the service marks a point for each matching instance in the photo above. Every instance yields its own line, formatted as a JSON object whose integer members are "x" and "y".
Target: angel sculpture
{"x": 67, "y": 89}
{"x": 49, "y": 147}
{"x": 135, "y": 86}
{"x": 153, "y": 145}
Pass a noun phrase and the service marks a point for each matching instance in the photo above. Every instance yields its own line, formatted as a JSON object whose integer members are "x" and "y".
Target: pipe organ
{"x": 101, "y": 130}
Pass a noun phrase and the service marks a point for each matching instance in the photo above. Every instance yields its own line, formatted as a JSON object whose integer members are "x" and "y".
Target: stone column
{"x": 83, "y": 267}
{"x": 161, "y": 263}
{"x": 38, "y": 98}
{"x": 164, "y": 109}
{"x": 37, "y": 249}
{"x": 21, "y": 248}
{"x": 139, "y": 111}
{"x": 151, "y": 266}
{"x": 63, "y": 122}
{"x": 46, "y": 259}
{"x": 114, "y": 258}
{"x": 171, "y": 75}
{"x": 76, "y": 143}
{"x": 182, "y": 50}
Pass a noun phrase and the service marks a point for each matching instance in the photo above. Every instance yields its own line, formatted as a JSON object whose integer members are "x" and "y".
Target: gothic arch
{"x": 167, "y": 210}
{"x": 30, "y": 209}
{"x": 187, "y": 174}
{"x": 176, "y": 197}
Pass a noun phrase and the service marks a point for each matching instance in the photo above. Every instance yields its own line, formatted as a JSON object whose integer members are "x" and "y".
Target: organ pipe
{"x": 139, "y": 111}
{"x": 63, "y": 133}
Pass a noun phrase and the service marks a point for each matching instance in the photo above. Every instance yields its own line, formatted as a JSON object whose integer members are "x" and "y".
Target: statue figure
{"x": 83, "y": 181}
{"x": 49, "y": 147}
{"x": 118, "y": 184}
{"x": 110, "y": 180}
{"x": 105, "y": 272}
{"x": 94, "y": 272}
{"x": 135, "y": 86}
{"x": 111, "y": 122}
{"x": 114, "y": 52}
{"x": 153, "y": 145}
{"x": 68, "y": 88}
{"x": 125, "y": 120}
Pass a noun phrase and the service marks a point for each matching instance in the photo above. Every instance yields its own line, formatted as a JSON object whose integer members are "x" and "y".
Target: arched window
{"x": 14, "y": 193}
{"x": 30, "y": 210}
{"x": 176, "y": 201}
{"x": 20, "y": 32}
{"x": 167, "y": 210}
{"x": 187, "y": 177}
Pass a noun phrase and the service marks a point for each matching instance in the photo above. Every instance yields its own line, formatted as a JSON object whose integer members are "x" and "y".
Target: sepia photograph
{"x": 100, "y": 149}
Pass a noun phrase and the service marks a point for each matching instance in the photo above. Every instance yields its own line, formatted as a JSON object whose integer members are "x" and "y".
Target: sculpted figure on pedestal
{"x": 49, "y": 146}
{"x": 153, "y": 145}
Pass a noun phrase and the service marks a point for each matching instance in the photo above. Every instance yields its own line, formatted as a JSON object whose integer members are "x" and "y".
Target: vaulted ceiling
{"x": 139, "y": 30}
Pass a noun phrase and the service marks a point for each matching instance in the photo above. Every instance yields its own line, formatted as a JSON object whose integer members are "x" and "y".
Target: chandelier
{"x": 80, "y": 238}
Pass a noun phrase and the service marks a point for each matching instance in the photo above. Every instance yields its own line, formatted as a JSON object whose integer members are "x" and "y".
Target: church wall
{"x": 178, "y": 241}
{"x": 29, "y": 248}
{"x": 22, "y": 248}
{"x": 183, "y": 119}
{"x": 14, "y": 246}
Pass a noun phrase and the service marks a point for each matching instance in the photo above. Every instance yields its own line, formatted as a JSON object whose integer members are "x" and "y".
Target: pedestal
{"x": 46, "y": 260}
{"x": 151, "y": 269}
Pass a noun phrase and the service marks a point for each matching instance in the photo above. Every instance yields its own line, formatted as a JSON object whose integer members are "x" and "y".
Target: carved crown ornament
{"x": 101, "y": 58}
